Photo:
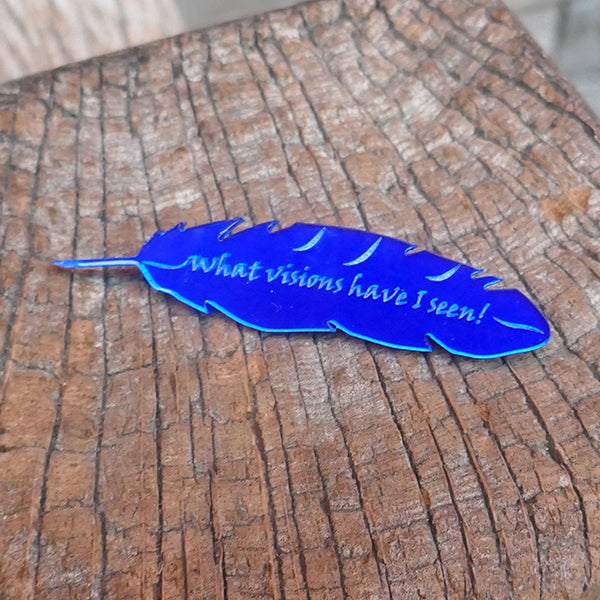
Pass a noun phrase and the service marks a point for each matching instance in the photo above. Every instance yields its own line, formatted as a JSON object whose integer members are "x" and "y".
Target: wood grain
{"x": 149, "y": 451}
{"x": 45, "y": 34}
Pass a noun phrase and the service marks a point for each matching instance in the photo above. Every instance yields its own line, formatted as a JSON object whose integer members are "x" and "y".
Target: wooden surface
{"x": 147, "y": 451}
{"x": 44, "y": 34}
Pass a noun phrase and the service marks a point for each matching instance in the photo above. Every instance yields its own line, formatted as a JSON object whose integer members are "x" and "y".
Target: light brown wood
{"x": 148, "y": 451}
{"x": 45, "y": 34}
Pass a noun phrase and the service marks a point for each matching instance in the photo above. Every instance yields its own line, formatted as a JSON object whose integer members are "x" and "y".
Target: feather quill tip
{"x": 65, "y": 264}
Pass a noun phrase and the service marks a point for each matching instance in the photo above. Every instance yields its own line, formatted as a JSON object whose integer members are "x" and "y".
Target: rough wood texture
{"x": 43, "y": 34}
{"x": 148, "y": 451}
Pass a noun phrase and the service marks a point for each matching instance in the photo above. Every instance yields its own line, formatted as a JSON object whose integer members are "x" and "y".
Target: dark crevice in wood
{"x": 415, "y": 469}
{"x": 369, "y": 527}
{"x": 41, "y": 508}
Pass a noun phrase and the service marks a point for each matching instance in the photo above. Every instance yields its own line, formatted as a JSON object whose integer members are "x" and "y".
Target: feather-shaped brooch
{"x": 321, "y": 278}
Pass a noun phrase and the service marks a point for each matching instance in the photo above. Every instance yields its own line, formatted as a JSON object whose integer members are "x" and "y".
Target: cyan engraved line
{"x": 518, "y": 325}
{"x": 446, "y": 275}
{"x": 312, "y": 242}
{"x": 364, "y": 255}
{"x": 160, "y": 265}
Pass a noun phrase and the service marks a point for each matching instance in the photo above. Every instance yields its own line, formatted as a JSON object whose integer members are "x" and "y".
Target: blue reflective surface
{"x": 321, "y": 278}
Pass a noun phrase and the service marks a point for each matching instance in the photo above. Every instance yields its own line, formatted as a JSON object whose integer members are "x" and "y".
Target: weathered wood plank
{"x": 39, "y": 35}
{"x": 148, "y": 450}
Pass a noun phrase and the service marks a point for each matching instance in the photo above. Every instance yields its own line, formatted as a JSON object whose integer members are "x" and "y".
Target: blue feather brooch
{"x": 320, "y": 278}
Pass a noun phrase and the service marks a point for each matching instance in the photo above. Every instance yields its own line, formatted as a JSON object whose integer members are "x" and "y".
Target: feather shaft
{"x": 93, "y": 263}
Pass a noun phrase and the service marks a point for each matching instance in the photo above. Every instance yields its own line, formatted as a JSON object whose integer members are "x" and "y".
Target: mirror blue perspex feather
{"x": 320, "y": 278}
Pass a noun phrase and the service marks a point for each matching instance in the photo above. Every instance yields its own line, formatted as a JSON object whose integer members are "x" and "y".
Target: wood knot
{"x": 558, "y": 208}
